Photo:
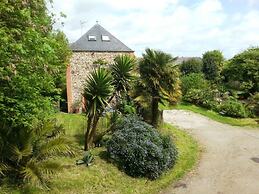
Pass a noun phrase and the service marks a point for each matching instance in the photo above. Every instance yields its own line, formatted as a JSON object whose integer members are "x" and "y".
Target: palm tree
{"x": 160, "y": 78}
{"x": 28, "y": 155}
{"x": 97, "y": 91}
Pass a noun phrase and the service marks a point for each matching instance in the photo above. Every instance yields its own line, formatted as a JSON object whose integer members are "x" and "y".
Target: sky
{"x": 180, "y": 27}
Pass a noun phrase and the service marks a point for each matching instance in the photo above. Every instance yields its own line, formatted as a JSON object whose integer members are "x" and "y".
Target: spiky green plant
{"x": 87, "y": 159}
{"x": 160, "y": 79}
{"x": 28, "y": 155}
{"x": 97, "y": 91}
{"x": 122, "y": 72}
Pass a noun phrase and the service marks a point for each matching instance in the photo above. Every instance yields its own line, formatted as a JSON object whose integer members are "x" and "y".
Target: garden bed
{"x": 104, "y": 177}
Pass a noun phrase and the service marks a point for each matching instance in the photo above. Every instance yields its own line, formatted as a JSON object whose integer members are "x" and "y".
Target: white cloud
{"x": 169, "y": 25}
{"x": 143, "y": 5}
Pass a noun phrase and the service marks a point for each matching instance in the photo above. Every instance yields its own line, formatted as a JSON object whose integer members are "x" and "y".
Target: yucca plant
{"x": 122, "y": 72}
{"x": 29, "y": 155}
{"x": 97, "y": 91}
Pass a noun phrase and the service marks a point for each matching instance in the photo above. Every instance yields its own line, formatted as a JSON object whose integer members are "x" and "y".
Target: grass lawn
{"x": 103, "y": 177}
{"x": 251, "y": 122}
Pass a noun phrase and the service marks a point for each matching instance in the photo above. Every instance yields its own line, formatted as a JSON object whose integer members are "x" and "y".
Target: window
{"x": 91, "y": 38}
{"x": 105, "y": 38}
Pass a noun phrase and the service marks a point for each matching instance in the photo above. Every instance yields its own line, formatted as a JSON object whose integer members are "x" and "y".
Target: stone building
{"x": 96, "y": 44}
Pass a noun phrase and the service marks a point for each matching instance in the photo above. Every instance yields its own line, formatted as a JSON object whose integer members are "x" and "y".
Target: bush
{"x": 197, "y": 90}
{"x": 243, "y": 71}
{"x": 126, "y": 106}
{"x": 253, "y": 104}
{"x": 212, "y": 64}
{"x": 233, "y": 108}
{"x": 140, "y": 150}
{"x": 193, "y": 65}
{"x": 193, "y": 81}
{"x": 204, "y": 98}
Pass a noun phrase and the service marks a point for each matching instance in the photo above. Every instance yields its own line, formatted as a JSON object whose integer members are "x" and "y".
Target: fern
{"x": 28, "y": 155}
{"x": 3, "y": 168}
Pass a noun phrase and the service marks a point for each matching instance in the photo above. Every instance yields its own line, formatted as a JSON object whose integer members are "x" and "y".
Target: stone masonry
{"x": 81, "y": 64}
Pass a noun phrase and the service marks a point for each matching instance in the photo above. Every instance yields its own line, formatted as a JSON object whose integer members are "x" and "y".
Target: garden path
{"x": 229, "y": 161}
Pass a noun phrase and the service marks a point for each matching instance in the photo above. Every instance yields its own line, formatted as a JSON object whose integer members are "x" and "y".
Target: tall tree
{"x": 243, "y": 70}
{"x": 212, "y": 64}
{"x": 33, "y": 60}
{"x": 193, "y": 65}
{"x": 160, "y": 79}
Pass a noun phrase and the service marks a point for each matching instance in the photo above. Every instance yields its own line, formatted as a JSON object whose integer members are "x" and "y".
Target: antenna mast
{"x": 82, "y": 25}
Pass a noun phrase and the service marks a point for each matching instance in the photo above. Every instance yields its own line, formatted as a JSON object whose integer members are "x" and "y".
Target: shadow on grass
{"x": 79, "y": 139}
{"x": 9, "y": 184}
{"x": 105, "y": 156}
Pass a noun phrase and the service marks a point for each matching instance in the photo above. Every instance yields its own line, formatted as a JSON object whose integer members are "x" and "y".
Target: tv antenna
{"x": 82, "y": 23}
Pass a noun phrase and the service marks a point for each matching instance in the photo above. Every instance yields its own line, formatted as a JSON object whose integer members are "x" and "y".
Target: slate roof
{"x": 114, "y": 45}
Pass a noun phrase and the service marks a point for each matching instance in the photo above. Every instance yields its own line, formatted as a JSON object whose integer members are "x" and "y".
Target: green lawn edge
{"x": 242, "y": 122}
{"x": 104, "y": 177}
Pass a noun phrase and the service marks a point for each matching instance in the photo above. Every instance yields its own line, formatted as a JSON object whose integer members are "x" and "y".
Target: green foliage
{"x": 87, "y": 159}
{"x": 253, "y": 104}
{"x": 113, "y": 118}
{"x": 198, "y": 90}
{"x": 97, "y": 91}
{"x": 140, "y": 150}
{"x": 212, "y": 64}
{"x": 106, "y": 177}
{"x": 233, "y": 108}
{"x": 101, "y": 88}
{"x": 192, "y": 65}
{"x": 242, "y": 72}
{"x": 28, "y": 155}
{"x": 32, "y": 62}
{"x": 121, "y": 71}
{"x": 193, "y": 81}
{"x": 100, "y": 62}
{"x": 160, "y": 80}
{"x": 201, "y": 97}
{"x": 126, "y": 106}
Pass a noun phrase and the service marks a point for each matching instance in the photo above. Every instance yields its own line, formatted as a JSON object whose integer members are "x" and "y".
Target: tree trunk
{"x": 93, "y": 131}
{"x": 89, "y": 125}
{"x": 155, "y": 111}
{"x": 112, "y": 96}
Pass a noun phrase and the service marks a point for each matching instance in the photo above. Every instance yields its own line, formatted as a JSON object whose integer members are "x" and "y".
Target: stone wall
{"x": 81, "y": 64}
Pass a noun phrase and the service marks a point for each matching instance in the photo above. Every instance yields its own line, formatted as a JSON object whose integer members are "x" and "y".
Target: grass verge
{"x": 104, "y": 177}
{"x": 251, "y": 122}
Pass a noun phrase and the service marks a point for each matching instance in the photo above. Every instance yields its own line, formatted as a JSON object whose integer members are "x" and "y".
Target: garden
{"x": 120, "y": 144}
{"x": 228, "y": 88}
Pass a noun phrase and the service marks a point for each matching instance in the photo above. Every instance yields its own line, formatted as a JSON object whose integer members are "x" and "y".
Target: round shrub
{"x": 140, "y": 150}
{"x": 193, "y": 65}
{"x": 194, "y": 81}
{"x": 233, "y": 108}
{"x": 203, "y": 98}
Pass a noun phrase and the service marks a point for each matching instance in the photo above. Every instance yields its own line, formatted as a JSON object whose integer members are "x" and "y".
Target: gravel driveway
{"x": 230, "y": 161}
